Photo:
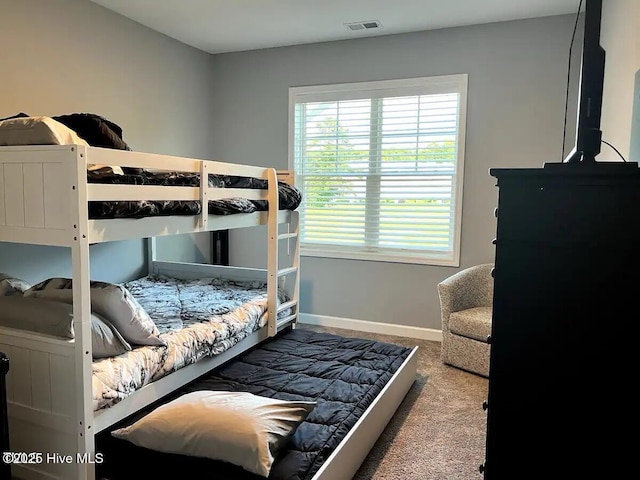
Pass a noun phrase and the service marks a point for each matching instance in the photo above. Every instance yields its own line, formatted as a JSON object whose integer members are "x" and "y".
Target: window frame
{"x": 408, "y": 86}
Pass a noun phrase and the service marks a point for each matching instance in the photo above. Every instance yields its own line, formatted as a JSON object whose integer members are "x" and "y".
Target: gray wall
{"x": 65, "y": 56}
{"x": 517, "y": 77}
{"x": 620, "y": 38}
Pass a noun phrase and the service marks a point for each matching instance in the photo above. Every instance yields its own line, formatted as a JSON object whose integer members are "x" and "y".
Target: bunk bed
{"x": 49, "y": 196}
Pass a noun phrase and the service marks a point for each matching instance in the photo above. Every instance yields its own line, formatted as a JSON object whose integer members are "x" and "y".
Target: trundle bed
{"x": 57, "y": 402}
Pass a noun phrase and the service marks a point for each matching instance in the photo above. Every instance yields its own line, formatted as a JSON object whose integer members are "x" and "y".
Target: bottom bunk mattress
{"x": 342, "y": 375}
{"x": 194, "y": 318}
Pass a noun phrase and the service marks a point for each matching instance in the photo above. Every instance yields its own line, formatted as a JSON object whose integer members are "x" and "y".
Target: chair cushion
{"x": 472, "y": 323}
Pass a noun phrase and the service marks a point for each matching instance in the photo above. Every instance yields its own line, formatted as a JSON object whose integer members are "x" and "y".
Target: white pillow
{"x": 42, "y": 130}
{"x": 236, "y": 427}
{"x": 114, "y": 302}
{"x": 37, "y": 131}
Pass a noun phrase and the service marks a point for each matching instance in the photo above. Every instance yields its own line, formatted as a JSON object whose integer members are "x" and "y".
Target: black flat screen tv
{"x": 588, "y": 133}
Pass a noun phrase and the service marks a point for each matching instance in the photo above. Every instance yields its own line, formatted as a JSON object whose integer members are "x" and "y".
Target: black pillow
{"x": 97, "y": 131}
{"x": 18, "y": 115}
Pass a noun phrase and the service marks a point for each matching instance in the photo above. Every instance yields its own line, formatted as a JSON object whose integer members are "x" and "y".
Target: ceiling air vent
{"x": 369, "y": 24}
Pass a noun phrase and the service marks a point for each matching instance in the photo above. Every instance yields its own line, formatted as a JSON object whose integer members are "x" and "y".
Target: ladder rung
{"x": 289, "y": 304}
{"x": 286, "y": 320}
{"x": 287, "y": 271}
{"x": 284, "y": 236}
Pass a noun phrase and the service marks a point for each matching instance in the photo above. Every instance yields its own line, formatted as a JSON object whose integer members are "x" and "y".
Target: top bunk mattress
{"x": 289, "y": 196}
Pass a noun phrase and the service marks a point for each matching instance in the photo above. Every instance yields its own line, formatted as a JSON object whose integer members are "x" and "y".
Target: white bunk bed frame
{"x": 44, "y": 197}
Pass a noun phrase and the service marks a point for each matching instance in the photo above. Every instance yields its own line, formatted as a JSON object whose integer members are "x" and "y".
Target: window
{"x": 380, "y": 167}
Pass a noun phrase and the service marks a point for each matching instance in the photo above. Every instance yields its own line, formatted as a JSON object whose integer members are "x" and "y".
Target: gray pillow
{"x": 10, "y": 285}
{"x": 56, "y": 318}
{"x": 113, "y": 302}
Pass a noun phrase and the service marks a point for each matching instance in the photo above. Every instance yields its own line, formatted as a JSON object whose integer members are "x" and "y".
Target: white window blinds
{"x": 380, "y": 168}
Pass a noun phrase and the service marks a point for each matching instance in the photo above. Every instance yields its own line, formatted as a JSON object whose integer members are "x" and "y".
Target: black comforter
{"x": 343, "y": 375}
{"x": 289, "y": 196}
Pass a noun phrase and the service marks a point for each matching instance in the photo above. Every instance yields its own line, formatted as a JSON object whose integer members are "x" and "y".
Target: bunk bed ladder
{"x": 274, "y": 273}
{"x": 292, "y": 234}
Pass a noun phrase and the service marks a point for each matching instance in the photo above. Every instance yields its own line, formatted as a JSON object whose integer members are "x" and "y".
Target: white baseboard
{"x": 371, "y": 327}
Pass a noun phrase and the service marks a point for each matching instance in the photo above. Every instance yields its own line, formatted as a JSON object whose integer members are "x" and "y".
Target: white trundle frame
{"x": 44, "y": 197}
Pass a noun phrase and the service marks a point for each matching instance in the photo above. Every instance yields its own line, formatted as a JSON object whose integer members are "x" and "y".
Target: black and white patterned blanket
{"x": 289, "y": 196}
{"x": 196, "y": 318}
{"x": 176, "y": 304}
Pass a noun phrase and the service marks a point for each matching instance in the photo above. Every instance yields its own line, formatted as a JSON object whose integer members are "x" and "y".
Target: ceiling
{"x": 220, "y": 26}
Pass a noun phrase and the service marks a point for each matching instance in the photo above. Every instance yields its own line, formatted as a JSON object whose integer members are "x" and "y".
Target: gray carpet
{"x": 438, "y": 433}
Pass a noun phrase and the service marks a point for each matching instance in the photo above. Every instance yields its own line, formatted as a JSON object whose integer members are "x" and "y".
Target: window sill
{"x": 443, "y": 261}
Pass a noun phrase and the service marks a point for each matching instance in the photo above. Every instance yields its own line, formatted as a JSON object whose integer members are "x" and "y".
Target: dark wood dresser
{"x": 5, "y": 468}
{"x": 563, "y": 368}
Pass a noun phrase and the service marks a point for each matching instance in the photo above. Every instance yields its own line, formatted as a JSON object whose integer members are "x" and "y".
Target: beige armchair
{"x": 466, "y": 300}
